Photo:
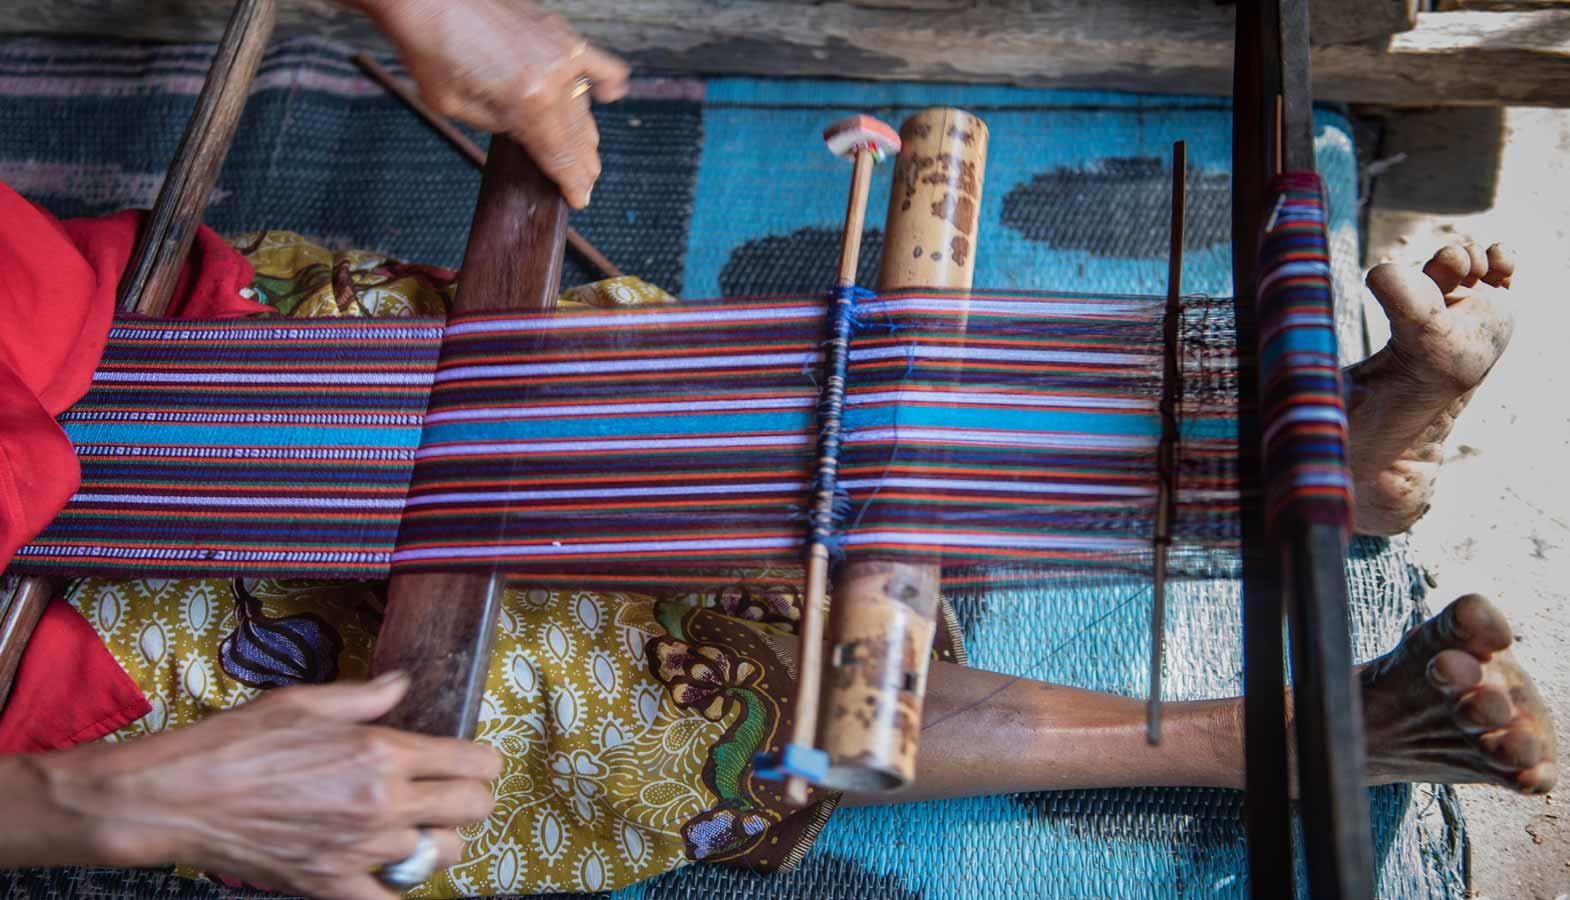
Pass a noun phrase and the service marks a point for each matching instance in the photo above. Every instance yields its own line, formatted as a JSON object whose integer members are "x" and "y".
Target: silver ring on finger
{"x": 415, "y": 868}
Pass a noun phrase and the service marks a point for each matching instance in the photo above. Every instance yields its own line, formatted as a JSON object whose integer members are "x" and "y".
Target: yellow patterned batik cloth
{"x": 628, "y": 723}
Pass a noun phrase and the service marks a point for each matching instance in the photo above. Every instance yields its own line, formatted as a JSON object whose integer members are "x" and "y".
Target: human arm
{"x": 508, "y": 66}
{"x": 293, "y": 792}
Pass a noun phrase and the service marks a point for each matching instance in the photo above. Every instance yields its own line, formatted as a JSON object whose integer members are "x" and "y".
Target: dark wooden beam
{"x": 439, "y": 626}
{"x": 1446, "y": 58}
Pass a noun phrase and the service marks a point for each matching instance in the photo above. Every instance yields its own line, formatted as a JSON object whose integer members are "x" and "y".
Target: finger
{"x": 1501, "y": 265}
{"x": 349, "y": 701}
{"x": 388, "y": 847}
{"x": 423, "y": 756}
{"x": 608, "y": 73}
{"x": 446, "y": 802}
{"x": 554, "y": 143}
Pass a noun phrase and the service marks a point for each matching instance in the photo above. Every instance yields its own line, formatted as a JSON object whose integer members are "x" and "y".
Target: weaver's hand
{"x": 508, "y": 66}
{"x": 291, "y": 792}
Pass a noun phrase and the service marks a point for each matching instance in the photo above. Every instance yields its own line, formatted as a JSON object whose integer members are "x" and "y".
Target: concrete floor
{"x": 1500, "y": 522}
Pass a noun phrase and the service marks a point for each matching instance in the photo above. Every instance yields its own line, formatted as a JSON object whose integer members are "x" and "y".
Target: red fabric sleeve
{"x": 68, "y": 688}
{"x": 57, "y": 290}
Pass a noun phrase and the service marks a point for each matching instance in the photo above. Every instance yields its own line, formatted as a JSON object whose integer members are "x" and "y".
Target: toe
{"x": 1454, "y": 672}
{"x": 1449, "y": 268}
{"x": 1514, "y": 748}
{"x": 1407, "y": 296}
{"x": 1469, "y": 624}
{"x": 1501, "y": 265}
{"x": 1481, "y": 627}
{"x": 1477, "y": 265}
{"x": 1485, "y": 709}
{"x": 1539, "y": 779}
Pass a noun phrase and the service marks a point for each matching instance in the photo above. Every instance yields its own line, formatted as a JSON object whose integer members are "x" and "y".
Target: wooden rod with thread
{"x": 1166, "y": 453}
{"x": 885, "y": 610}
{"x": 809, "y": 688}
{"x": 162, "y": 245}
{"x": 470, "y": 150}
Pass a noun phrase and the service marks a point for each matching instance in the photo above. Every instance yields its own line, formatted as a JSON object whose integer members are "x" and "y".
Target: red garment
{"x": 57, "y": 293}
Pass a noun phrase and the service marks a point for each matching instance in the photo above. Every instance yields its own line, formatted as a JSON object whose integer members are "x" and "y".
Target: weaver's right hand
{"x": 508, "y": 66}
{"x": 292, "y": 792}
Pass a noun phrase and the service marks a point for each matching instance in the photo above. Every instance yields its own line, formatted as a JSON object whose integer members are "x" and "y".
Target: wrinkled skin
{"x": 1449, "y": 324}
{"x": 511, "y": 68}
{"x": 293, "y": 792}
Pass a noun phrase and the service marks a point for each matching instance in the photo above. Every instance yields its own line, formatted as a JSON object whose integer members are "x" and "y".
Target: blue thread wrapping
{"x": 830, "y": 504}
{"x": 793, "y": 760}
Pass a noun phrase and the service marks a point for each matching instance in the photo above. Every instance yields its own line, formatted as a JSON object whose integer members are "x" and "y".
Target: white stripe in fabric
{"x": 594, "y": 446}
{"x": 310, "y": 378}
{"x": 975, "y": 398}
{"x": 641, "y": 490}
{"x": 1048, "y": 440}
{"x": 1010, "y": 540}
{"x": 1007, "y": 487}
{"x": 926, "y": 351}
{"x": 593, "y": 367}
{"x": 660, "y": 314}
{"x": 246, "y": 501}
{"x": 506, "y": 413}
{"x": 629, "y": 547}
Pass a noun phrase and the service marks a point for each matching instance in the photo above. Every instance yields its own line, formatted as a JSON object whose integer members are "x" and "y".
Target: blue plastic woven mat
{"x": 724, "y": 187}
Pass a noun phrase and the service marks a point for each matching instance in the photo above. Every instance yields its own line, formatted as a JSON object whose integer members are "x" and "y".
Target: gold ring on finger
{"x": 581, "y": 86}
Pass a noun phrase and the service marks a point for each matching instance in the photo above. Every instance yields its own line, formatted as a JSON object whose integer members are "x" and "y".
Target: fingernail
{"x": 387, "y": 678}
{"x": 1436, "y": 676}
{"x": 588, "y": 194}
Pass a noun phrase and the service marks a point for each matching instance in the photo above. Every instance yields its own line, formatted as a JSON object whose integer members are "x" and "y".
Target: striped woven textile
{"x": 1304, "y": 413}
{"x": 256, "y": 447}
{"x": 980, "y": 428}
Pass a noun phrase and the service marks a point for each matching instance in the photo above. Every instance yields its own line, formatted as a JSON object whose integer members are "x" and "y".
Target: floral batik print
{"x": 628, "y": 725}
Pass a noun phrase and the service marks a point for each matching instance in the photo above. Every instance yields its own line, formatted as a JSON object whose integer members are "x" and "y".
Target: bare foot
{"x": 1449, "y": 704}
{"x": 1448, "y": 324}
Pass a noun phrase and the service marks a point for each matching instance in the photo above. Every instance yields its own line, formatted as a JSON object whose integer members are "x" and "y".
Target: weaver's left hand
{"x": 508, "y": 66}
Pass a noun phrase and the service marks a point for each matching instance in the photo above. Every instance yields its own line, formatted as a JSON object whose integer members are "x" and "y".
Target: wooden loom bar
{"x": 884, "y": 612}
{"x": 162, "y": 245}
{"x": 1266, "y": 801}
{"x": 1328, "y": 708}
{"x": 440, "y": 627}
{"x": 470, "y": 150}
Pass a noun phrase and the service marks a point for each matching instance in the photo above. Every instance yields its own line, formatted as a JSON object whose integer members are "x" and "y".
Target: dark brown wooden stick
{"x": 163, "y": 244}
{"x": 379, "y": 74}
{"x": 165, "y": 239}
{"x": 440, "y": 627}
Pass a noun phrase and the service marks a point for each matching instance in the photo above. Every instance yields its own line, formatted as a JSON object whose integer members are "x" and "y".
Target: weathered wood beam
{"x": 1184, "y": 46}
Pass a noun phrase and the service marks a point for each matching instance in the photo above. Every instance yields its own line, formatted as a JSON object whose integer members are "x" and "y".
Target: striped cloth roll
{"x": 1303, "y": 411}
{"x": 276, "y": 447}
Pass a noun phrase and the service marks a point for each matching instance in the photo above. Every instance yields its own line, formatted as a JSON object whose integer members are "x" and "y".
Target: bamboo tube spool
{"x": 884, "y": 612}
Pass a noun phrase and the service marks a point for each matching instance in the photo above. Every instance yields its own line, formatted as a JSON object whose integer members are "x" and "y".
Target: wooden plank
{"x": 1350, "y": 21}
{"x": 1448, "y": 58}
{"x": 440, "y": 627}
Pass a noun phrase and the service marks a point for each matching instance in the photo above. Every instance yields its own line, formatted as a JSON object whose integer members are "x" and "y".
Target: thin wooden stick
{"x": 470, "y": 150}
{"x": 1166, "y": 453}
{"x": 805, "y": 729}
{"x": 162, "y": 245}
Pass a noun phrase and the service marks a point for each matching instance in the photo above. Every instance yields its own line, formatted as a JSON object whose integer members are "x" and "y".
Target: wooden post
{"x": 884, "y": 612}
{"x": 162, "y": 245}
{"x": 440, "y": 626}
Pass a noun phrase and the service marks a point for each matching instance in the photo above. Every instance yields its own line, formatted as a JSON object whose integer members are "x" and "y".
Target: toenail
{"x": 1435, "y": 675}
